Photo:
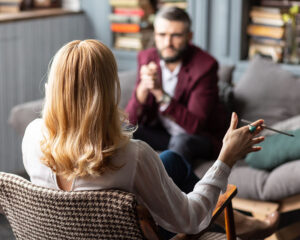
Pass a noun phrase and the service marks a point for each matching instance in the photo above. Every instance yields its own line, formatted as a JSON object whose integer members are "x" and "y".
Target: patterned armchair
{"x": 40, "y": 213}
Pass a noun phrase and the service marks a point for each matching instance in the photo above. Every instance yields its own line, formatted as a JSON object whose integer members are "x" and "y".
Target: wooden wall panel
{"x": 217, "y": 27}
{"x": 26, "y": 48}
{"x": 219, "y": 30}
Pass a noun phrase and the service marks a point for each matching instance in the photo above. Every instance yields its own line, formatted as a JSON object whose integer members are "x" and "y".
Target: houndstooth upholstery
{"x": 39, "y": 213}
{"x": 213, "y": 236}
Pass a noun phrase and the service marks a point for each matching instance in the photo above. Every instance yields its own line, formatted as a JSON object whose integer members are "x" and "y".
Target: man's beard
{"x": 178, "y": 56}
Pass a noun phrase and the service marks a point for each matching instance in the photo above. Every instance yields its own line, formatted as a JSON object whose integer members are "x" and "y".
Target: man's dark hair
{"x": 174, "y": 14}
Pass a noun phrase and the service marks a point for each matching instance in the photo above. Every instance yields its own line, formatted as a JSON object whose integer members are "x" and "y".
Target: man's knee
{"x": 177, "y": 168}
{"x": 170, "y": 157}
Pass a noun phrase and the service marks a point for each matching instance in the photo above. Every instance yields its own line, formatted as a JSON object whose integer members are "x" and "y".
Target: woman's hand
{"x": 239, "y": 142}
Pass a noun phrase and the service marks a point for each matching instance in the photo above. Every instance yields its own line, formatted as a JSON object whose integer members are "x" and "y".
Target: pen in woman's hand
{"x": 271, "y": 129}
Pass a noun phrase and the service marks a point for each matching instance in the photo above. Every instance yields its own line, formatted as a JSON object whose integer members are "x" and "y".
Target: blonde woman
{"x": 80, "y": 143}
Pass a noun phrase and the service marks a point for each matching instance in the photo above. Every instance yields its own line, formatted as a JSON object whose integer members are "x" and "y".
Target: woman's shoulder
{"x": 34, "y": 128}
{"x": 140, "y": 146}
{"x": 38, "y": 122}
{"x": 136, "y": 149}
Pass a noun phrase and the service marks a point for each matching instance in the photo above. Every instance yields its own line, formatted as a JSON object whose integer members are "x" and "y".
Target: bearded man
{"x": 175, "y": 102}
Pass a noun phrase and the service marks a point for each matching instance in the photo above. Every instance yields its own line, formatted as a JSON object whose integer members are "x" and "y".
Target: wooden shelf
{"x": 32, "y": 14}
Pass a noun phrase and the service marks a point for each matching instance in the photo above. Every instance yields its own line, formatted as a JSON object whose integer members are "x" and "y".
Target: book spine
{"x": 125, "y": 27}
{"x": 265, "y": 31}
{"x": 268, "y": 21}
{"x": 127, "y": 3}
{"x": 128, "y": 11}
{"x": 260, "y": 14}
{"x": 116, "y": 18}
{"x": 274, "y": 3}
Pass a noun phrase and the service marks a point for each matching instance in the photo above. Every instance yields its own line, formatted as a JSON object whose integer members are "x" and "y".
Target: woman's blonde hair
{"x": 81, "y": 115}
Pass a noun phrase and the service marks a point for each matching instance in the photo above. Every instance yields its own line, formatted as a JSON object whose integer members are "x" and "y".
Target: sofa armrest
{"x": 21, "y": 115}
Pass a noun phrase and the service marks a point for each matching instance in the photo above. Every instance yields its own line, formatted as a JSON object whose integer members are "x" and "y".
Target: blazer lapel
{"x": 184, "y": 79}
{"x": 155, "y": 58}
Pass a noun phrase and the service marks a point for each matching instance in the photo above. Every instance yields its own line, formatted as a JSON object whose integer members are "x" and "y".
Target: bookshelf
{"x": 273, "y": 30}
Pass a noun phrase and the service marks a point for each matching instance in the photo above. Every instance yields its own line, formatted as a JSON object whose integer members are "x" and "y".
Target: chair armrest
{"x": 147, "y": 224}
{"x": 224, "y": 203}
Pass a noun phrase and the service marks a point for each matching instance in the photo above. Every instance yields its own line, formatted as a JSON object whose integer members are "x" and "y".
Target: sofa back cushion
{"x": 127, "y": 83}
{"x": 267, "y": 91}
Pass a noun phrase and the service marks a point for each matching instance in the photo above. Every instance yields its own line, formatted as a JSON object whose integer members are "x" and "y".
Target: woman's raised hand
{"x": 238, "y": 142}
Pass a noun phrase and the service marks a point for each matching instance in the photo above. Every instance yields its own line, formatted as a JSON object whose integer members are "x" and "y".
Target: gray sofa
{"x": 255, "y": 95}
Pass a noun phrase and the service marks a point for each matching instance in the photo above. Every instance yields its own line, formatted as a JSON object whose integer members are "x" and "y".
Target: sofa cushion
{"x": 276, "y": 150}
{"x": 281, "y": 182}
{"x": 267, "y": 91}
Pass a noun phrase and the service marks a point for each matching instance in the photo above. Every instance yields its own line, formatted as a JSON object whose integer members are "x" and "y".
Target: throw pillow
{"x": 276, "y": 150}
{"x": 267, "y": 91}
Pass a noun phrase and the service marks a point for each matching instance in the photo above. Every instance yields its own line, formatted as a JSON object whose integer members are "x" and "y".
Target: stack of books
{"x": 177, "y": 3}
{"x": 10, "y": 6}
{"x": 267, "y": 32}
{"x": 132, "y": 24}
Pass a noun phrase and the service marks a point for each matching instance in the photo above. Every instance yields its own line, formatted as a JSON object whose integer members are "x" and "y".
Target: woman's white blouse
{"x": 142, "y": 174}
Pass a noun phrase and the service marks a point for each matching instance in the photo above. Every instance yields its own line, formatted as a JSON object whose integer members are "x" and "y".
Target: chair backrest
{"x": 40, "y": 213}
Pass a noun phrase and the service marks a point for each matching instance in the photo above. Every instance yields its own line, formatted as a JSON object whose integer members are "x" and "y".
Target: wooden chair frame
{"x": 224, "y": 204}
